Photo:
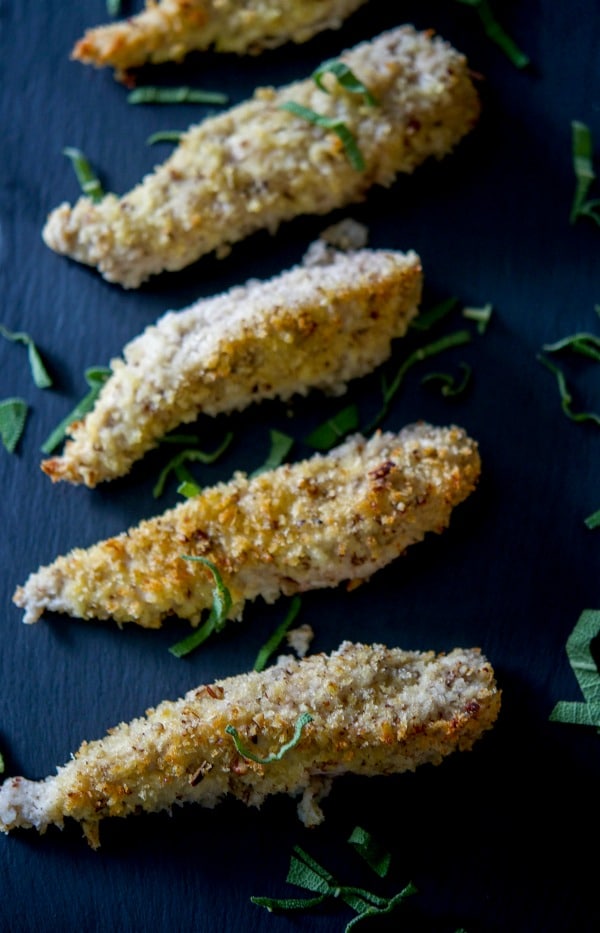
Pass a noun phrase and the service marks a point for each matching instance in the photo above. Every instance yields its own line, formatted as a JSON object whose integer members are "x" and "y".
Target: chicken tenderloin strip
{"x": 313, "y": 327}
{"x": 373, "y": 711}
{"x": 258, "y": 165}
{"x": 170, "y": 29}
{"x": 302, "y": 526}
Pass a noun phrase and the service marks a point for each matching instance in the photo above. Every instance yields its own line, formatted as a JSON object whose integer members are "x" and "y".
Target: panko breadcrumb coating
{"x": 257, "y": 165}
{"x": 302, "y": 526}
{"x": 312, "y": 327}
{"x": 169, "y": 29}
{"x": 375, "y": 711}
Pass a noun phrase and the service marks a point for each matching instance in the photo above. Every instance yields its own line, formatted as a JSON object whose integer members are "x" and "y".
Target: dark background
{"x": 497, "y": 839}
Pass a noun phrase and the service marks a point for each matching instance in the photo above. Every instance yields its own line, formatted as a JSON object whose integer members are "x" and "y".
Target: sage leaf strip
{"x": 369, "y": 849}
{"x": 175, "y": 95}
{"x": 87, "y": 178}
{"x": 586, "y": 671}
{"x": 582, "y": 155}
{"x": 327, "y": 435}
{"x": 38, "y": 371}
{"x": 217, "y": 619}
{"x": 281, "y": 444}
{"x": 353, "y": 153}
{"x": 497, "y": 33}
{"x": 95, "y": 377}
{"x": 176, "y": 464}
{"x": 566, "y": 398}
{"x": 13, "y": 414}
{"x": 276, "y": 638}
{"x": 302, "y": 721}
{"x": 345, "y": 77}
{"x": 593, "y": 520}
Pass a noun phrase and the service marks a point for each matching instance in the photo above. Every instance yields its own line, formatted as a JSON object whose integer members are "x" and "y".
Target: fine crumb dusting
{"x": 375, "y": 711}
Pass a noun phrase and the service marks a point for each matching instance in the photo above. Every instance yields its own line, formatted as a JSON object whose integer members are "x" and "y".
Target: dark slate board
{"x": 494, "y": 840}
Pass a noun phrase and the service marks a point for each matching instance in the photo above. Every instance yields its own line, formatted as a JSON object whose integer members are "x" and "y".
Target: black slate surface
{"x": 502, "y": 838}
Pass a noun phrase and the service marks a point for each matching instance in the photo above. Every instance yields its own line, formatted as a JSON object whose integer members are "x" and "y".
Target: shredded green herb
{"x": 217, "y": 619}
{"x": 113, "y": 7}
{"x": 582, "y": 152}
{"x": 593, "y": 520}
{"x": 584, "y": 344}
{"x": 13, "y": 414}
{"x": 176, "y": 464}
{"x": 327, "y": 435}
{"x": 276, "y": 638}
{"x": 586, "y": 671}
{"x": 1, "y": 764}
{"x": 427, "y": 319}
{"x": 496, "y": 33}
{"x": 164, "y": 136}
{"x": 353, "y": 153}
{"x": 344, "y": 76}
{"x": 87, "y": 178}
{"x": 389, "y": 390}
{"x": 301, "y": 722}
{"x": 566, "y": 398}
{"x": 370, "y": 850}
{"x": 449, "y": 387}
{"x": 281, "y": 444}
{"x": 38, "y": 370}
{"x": 175, "y": 95}
{"x": 189, "y": 488}
{"x": 482, "y": 316}
{"x": 95, "y": 377}
{"x": 305, "y": 872}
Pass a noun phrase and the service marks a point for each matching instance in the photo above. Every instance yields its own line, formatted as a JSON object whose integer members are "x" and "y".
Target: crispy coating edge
{"x": 375, "y": 711}
{"x": 309, "y": 328}
{"x": 170, "y": 29}
{"x": 258, "y": 165}
{"x": 312, "y": 524}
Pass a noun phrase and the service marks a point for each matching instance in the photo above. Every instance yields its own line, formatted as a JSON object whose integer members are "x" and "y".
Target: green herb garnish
{"x": 13, "y": 414}
{"x": 217, "y": 619}
{"x": 175, "y": 95}
{"x": 176, "y": 464}
{"x": 586, "y": 671}
{"x": 307, "y": 873}
{"x": 95, "y": 377}
{"x": 38, "y": 370}
{"x": 593, "y": 520}
{"x": 584, "y": 344}
{"x": 566, "y": 398}
{"x": 332, "y": 124}
{"x": 188, "y": 488}
{"x": 370, "y": 850}
{"x": 277, "y": 637}
{"x": 427, "y": 319}
{"x": 87, "y": 178}
{"x": 449, "y": 387}
{"x": 389, "y": 390}
{"x": 281, "y": 444}
{"x": 113, "y": 7}
{"x": 1, "y": 764}
{"x": 482, "y": 316}
{"x": 327, "y": 435}
{"x": 164, "y": 136}
{"x": 344, "y": 76}
{"x": 582, "y": 151}
{"x": 497, "y": 34}
{"x": 301, "y": 722}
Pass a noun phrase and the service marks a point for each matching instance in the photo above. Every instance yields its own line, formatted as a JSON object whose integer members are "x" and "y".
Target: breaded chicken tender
{"x": 169, "y": 29}
{"x": 258, "y": 165}
{"x": 373, "y": 711}
{"x": 312, "y": 327}
{"x": 302, "y": 526}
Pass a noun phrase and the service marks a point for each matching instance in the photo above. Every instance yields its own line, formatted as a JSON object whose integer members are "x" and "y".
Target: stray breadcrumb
{"x": 302, "y": 526}
{"x": 310, "y": 328}
{"x": 375, "y": 711}
{"x": 299, "y": 639}
{"x": 257, "y": 164}
{"x": 169, "y": 29}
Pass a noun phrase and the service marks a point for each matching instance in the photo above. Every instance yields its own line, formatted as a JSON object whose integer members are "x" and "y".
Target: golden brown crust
{"x": 258, "y": 165}
{"x": 302, "y": 526}
{"x": 169, "y": 29}
{"x": 375, "y": 711}
{"x": 314, "y": 327}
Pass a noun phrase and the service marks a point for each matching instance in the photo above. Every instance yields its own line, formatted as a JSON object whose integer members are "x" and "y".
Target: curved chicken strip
{"x": 168, "y": 30}
{"x": 258, "y": 165}
{"x": 374, "y": 711}
{"x": 302, "y": 526}
{"x": 312, "y": 327}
